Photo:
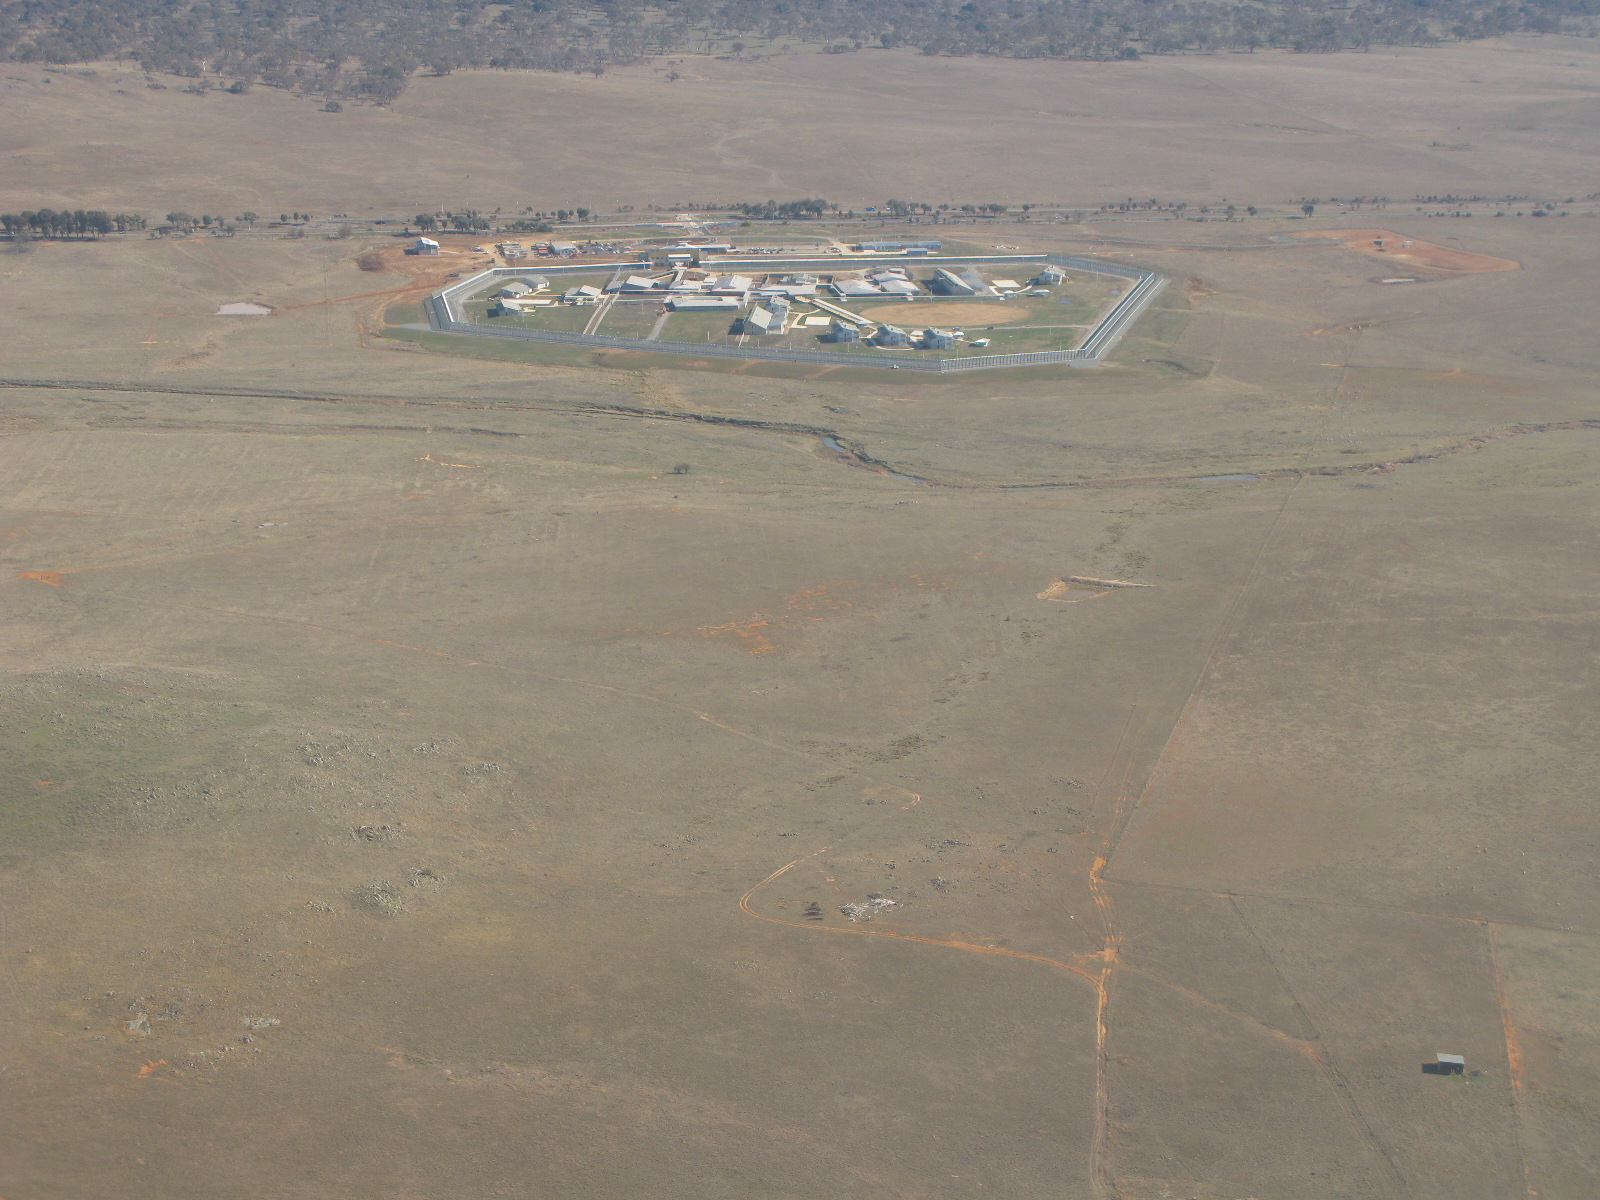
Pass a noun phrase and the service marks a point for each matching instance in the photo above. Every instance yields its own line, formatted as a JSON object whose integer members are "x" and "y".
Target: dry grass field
{"x": 411, "y": 786}
{"x": 1494, "y": 118}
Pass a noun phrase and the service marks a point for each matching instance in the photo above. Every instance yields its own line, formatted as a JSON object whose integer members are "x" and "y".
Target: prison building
{"x": 583, "y": 294}
{"x": 512, "y": 290}
{"x": 937, "y": 339}
{"x": 423, "y": 246}
{"x": 855, "y": 287}
{"x": 900, "y": 287}
{"x": 892, "y": 246}
{"x": 761, "y": 320}
{"x": 1050, "y": 276}
{"x": 701, "y": 303}
{"x": 842, "y": 331}
{"x": 537, "y": 282}
{"x": 891, "y": 338}
{"x": 963, "y": 283}
{"x": 731, "y": 285}
{"x": 564, "y": 249}
{"x": 947, "y": 283}
{"x": 632, "y": 283}
{"x": 789, "y": 290}
{"x": 884, "y": 274}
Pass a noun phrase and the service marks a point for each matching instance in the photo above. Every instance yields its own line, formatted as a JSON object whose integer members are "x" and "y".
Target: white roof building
{"x": 900, "y": 287}
{"x": 951, "y": 284}
{"x": 855, "y": 287}
{"x": 513, "y": 289}
{"x": 632, "y": 283}
{"x": 726, "y": 285}
{"x": 767, "y": 320}
{"x": 582, "y": 292}
{"x": 700, "y": 303}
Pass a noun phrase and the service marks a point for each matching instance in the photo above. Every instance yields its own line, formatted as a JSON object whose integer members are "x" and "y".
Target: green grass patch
{"x": 466, "y": 345}
{"x": 571, "y": 318}
{"x": 1019, "y": 341}
{"x": 715, "y": 325}
{"x": 1163, "y": 325}
{"x": 101, "y": 754}
{"x": 407, "y": 312}
{"x": 1162, "y": 359}
{"x": 630, "y": 318}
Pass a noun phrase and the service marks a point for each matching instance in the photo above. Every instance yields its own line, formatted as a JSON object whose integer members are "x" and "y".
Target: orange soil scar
{"x": 954, "y": 942}
{"x": 806, "y": 602}
{"x": 1396, "y": 247}
{"x": 1070, "y": 593}
{"x": 1515, "y": 1060}
{"x": 808, "y": 599}
{"x": 747, "y": 631}
{"x": 151, "y": 1067}
{"x": 53, "y": 578}
{"x": 342, "y": 299}
{"x": 438, "y": 462}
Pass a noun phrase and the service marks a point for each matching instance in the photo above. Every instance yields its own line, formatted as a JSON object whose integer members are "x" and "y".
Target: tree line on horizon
{"x": 370, "y": 49}
{"x": 62, "y": 223}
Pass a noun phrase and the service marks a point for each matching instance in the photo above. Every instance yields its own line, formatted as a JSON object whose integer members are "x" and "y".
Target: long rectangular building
{"x": 698, "y": 303}
{"x": 947, "y": 283}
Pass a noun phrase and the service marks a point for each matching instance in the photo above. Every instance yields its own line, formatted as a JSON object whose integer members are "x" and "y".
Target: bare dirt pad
{"x": 1413, "y": 252}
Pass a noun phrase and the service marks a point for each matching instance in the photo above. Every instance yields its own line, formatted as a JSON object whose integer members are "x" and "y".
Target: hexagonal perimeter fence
{"x": 445, "y": 316}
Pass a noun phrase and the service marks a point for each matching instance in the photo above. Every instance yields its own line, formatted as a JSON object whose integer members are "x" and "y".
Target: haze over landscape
{"x": 437, "y": 764}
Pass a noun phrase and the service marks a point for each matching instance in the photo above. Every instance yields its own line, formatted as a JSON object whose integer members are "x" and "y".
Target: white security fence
{"x": 445, "y": 315}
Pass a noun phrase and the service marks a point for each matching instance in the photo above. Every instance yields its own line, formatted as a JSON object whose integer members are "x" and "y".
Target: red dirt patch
{"x": 1396, "y": 247}
{"x": 747, "y": 631}
{"x": 53, "y": 578}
